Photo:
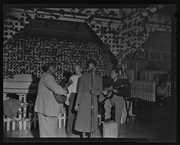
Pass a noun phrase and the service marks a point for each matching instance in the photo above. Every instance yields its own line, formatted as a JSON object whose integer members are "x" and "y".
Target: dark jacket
{"x": 123, "y": 87}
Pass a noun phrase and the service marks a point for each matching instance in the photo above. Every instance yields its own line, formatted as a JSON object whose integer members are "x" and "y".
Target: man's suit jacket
{"x": 45, "y": 101}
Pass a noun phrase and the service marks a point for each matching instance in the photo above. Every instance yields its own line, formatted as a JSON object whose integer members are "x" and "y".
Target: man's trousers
{"x": 71, "y": 114}
{"x": 48, "y": 125}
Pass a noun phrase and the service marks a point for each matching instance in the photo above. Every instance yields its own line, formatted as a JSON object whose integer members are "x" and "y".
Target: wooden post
{"x": 13, "y": 125}
{"x": 8, "y": 124}
{"x": 60, "y": 120}
{"x": 154, "y": 92}
{"x": 20, "y": 125}
{"x": 24, "y": 124}
{"x": 64, "y": 118}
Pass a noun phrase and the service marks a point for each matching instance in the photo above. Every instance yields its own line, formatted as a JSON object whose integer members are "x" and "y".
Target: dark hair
{"x": 116, "y": 70}
{"x": 79, "y": 64}
{"x": 91, "y": 61}
{"x": 67, "y": 74}
{"x": 47, "y": 66}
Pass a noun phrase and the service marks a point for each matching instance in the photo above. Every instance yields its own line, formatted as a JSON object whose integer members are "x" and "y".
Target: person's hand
{"x": 105, "y": 92}
{"x": 67, "y": 102}
{"x": 65, "y": 92}
{"x": 63, "y": 110}
{"x": 110, "y": 88}
{"x": 76, "y": 107}
{"x": 92, "y": 91}
{"x": 109, "y": 94}
{"x": 115, "y": 91}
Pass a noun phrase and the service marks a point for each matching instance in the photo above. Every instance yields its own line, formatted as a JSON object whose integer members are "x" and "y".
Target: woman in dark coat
{"x": 83, "y": 101}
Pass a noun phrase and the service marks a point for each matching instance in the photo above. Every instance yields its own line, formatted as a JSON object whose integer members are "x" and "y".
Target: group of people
{"x": 83, "y": 96}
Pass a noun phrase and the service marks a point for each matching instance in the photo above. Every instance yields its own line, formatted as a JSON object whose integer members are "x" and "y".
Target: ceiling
{"x": 59, "y": 30}
{"x": 63, "y": 29}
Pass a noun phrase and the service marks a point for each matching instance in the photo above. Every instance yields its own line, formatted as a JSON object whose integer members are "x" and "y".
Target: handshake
{"x": 76, "y": 107}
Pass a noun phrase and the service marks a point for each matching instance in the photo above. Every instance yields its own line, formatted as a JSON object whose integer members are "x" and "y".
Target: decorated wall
{"x": 28, "y": 55}
{"x": 122, "y": 30}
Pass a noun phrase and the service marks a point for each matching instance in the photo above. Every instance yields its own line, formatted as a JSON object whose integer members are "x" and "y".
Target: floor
{"x": 160, "y": 129}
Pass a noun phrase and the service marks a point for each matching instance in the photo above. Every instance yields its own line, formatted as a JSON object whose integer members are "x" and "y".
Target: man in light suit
{"x": 46, "y": 106}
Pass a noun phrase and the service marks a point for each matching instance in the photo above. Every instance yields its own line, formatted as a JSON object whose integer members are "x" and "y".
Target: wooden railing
{"x": 21, "y": 85}
{"x": 143, "y": 90}
{"x": 147, "y": 76}
{"x": 146, "y": 90}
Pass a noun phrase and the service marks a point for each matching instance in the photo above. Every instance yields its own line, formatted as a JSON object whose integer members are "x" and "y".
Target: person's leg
{"x": 41, "y": 125}
{"x": 158, "y": 100}
{"x": 163, "y": 100}
{"x": 119, "y": 104}
{"x": 107, "y": 107}
{"x": 84, "y": 134}
{"x": 97, "y": 133}
{"x": 71, "y": 115}
{"x": 53, "y": 126}
{"x": 48, "y": 125}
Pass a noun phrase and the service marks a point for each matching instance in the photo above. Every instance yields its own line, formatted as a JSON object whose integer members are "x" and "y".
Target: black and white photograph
{"x": 90, "y": 72}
